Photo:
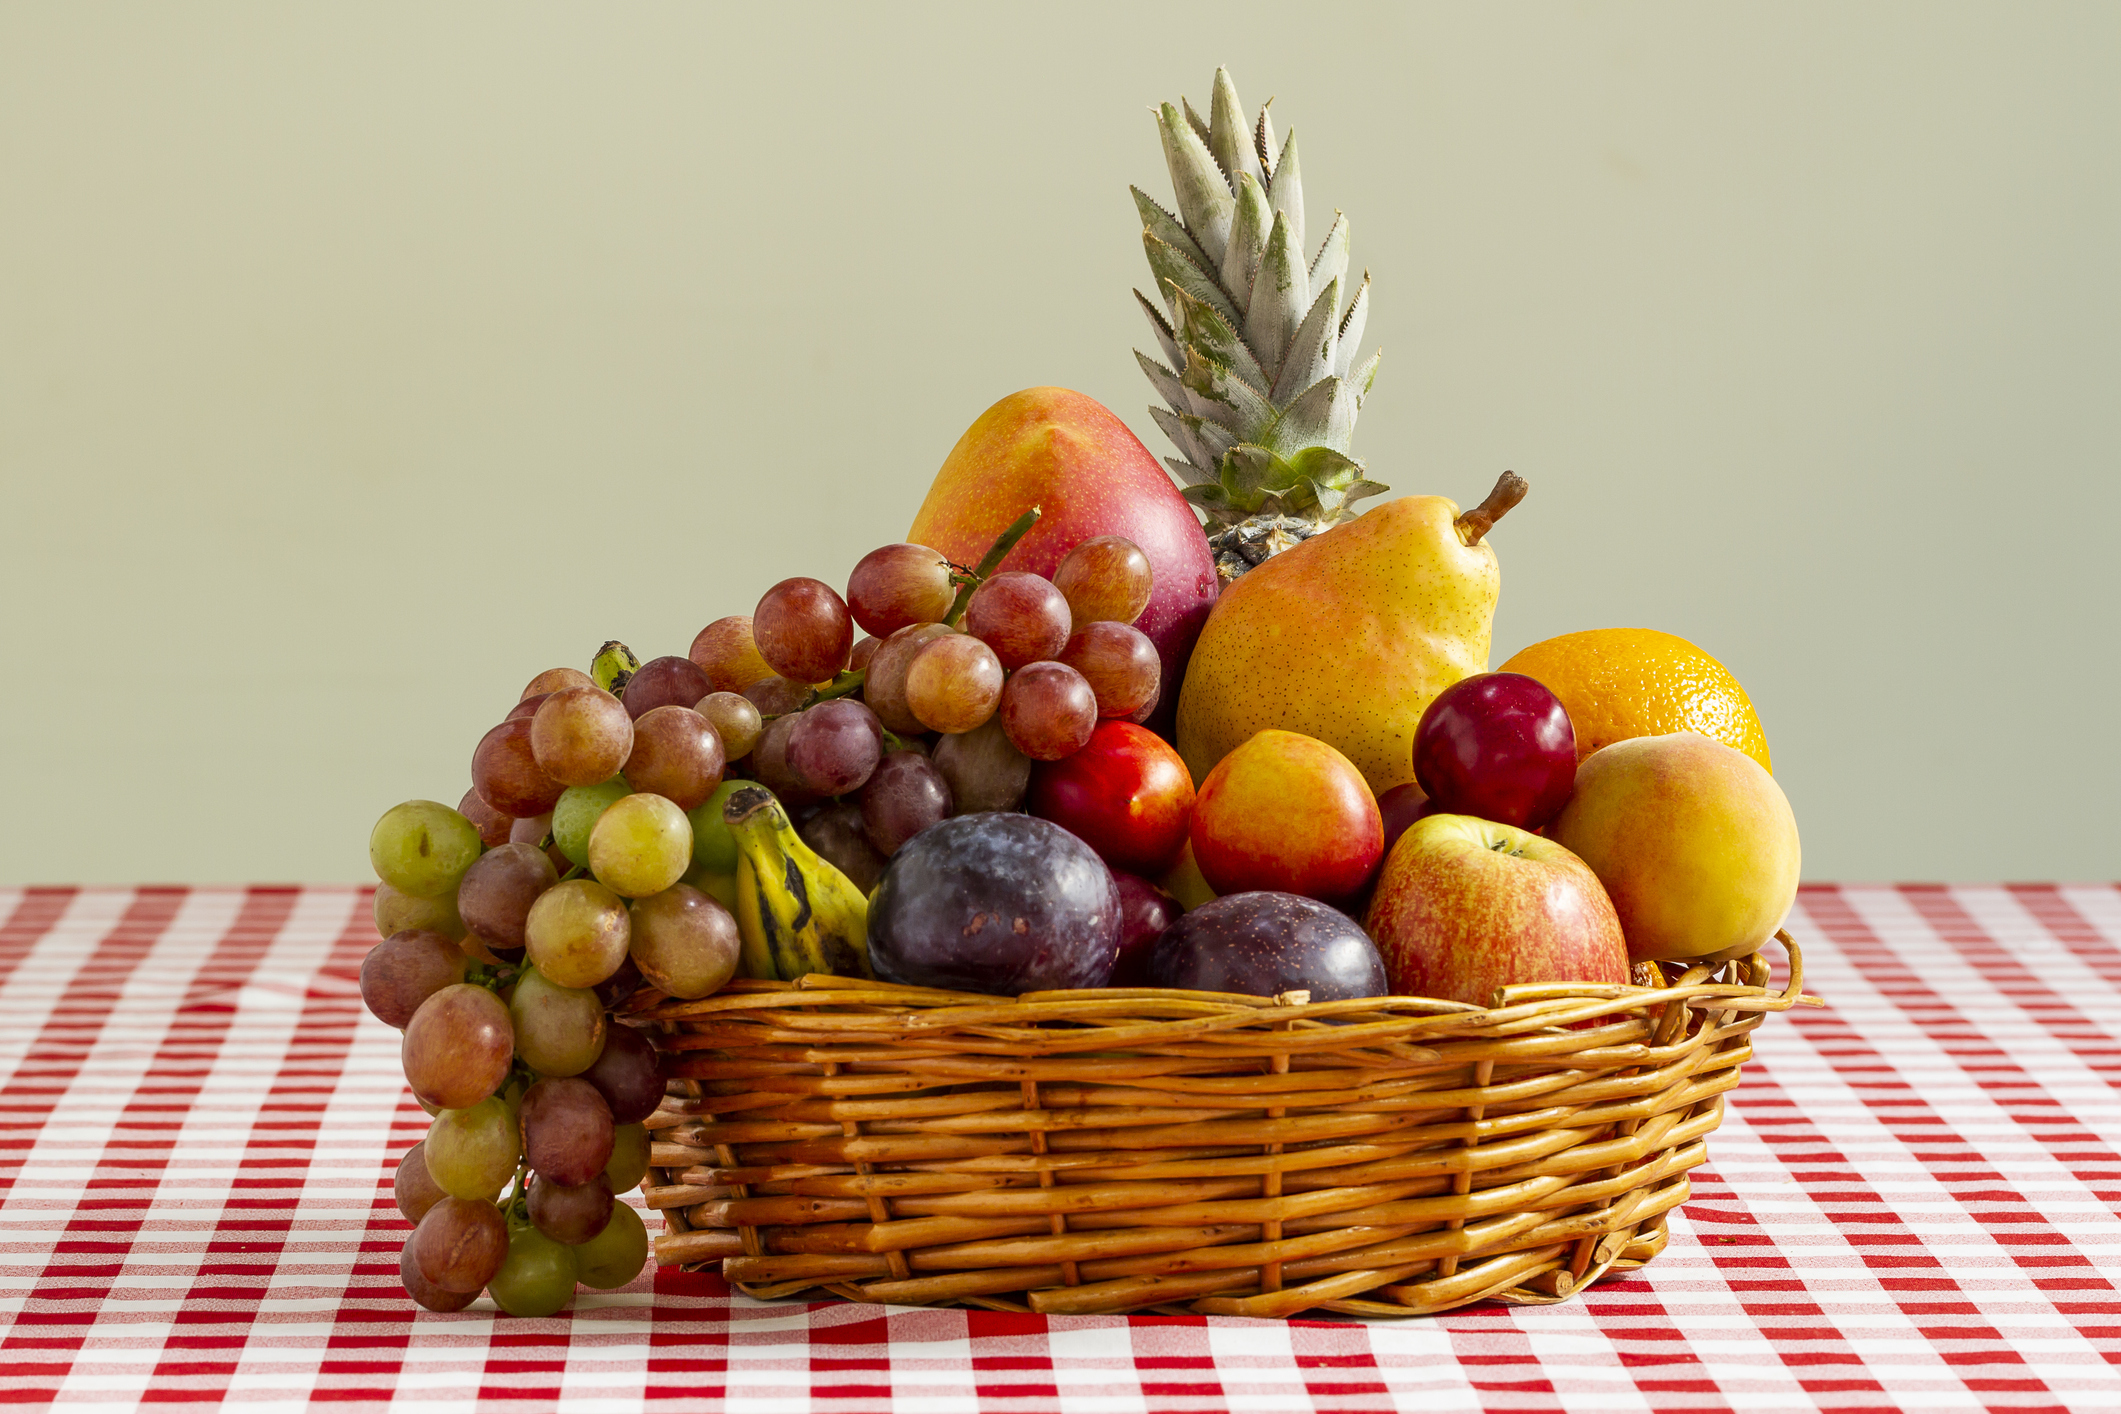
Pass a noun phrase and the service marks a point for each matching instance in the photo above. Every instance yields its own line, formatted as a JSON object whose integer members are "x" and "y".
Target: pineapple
{"x": 1262, "y": 382}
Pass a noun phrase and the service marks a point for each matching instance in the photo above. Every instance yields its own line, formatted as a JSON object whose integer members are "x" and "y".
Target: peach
{"x": 1693, "y": 840}
{"x": 1286, "y": 812}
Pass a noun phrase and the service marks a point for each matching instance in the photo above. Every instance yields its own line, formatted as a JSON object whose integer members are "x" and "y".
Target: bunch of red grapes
{"x": 588, "y": 871}
{"x": 1008, "y": 670}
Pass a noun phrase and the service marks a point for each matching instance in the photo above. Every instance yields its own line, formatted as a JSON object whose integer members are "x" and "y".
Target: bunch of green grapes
{"x": 520, "y": 930}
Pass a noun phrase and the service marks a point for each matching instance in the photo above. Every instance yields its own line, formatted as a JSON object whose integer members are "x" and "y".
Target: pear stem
{"x": 1509, "y": 490}
{"x": 990, "y": 562}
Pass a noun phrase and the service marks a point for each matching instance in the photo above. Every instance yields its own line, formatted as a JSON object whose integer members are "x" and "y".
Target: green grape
{"x": 422, "y": 848}
{"x": 640, "y": 846}
{"x": 473, "y": 1152}
{"x": 577, "y": 813}
{"x": 398, "y": 912}
{"x": 577, "y": 933}
{"x": 536, "y": 1277}
{"x": 629, "y": 1157}
{"x": 614, "y": 1256}
{"x": 713, "y": 847}
{"x": 559, "y": 1030}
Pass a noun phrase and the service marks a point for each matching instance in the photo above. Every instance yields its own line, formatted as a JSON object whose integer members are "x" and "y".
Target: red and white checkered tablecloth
{"x": 1911, "y": 1205}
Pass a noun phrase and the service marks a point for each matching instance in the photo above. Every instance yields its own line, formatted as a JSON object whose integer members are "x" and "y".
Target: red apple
{"x": 1127, "y": 795}
{"x": 1466, "y": 905}
{"x": 1089, "y": 476}
{"x": 1401, "y": 806}
{"x": 1286, "y": 813}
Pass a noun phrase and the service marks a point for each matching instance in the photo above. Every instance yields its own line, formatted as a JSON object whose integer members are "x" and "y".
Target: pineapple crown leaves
{"x": 1258, "y": 370}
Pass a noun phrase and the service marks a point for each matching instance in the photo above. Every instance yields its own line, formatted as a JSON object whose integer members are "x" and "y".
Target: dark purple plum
{"x": 995, "y": 902}
{"x": 1144, "y": 912}
{"x": 1498, "y": 746}
{"x": 1266, "y": 943}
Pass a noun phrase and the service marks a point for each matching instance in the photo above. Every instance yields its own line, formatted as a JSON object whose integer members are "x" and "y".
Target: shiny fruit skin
{"x": 1023, "y": 617}
{"x": 536, "y": 1276}
{"x": 459, "y": 1244}
{"x": 406, "y": 969}
{"x": 457, "y": 1046}
{"x": 422, "y": 847}
{"x": 567, "y": 1130}
{"x": 616, "y": 1255}
{"x": 1499, "y": 746}
{"x": 1265, "y": 943}
{"x": 1120, "y": 664}
{"x": 1127, "y": 794}
{"x": 727, "y": 653}
{"x": 669, "y": 681}
{"x": 835, "y": 832}
{"x": 577, "y": 933}
{"x": 1693, "y": 840}
{"x": 884, "y": 680}
{"x": 677, "y": 754}
{"x": 1286, "y": 813}
{"x": 1144, "y": 912}
{"x": 555, "y": 680}
{"x": 1105, "y": 577}
{"x": 1049, "y": 710}
{"x": 412, "y": 1187}
{"x": 506, "y": 774}
{"x": 641, "y": 845}
{"x": 896, "y": 585}
{"x": 499, "y": 891}
{"x": 491, "y": 824}
{"x": 1346, "y": 637}
{"x": 834, "y": 746}
{"x": 983, "y": 769}
{"x": 580, "y": 736}
{"x": 954, "y": 684}
{"x": 1465, "y": 906}
{"x": 735, "y": 719}
{"x": 907, "y": 794}
{"x": 424, "y": 1292}
{"x": 996, "y": 903}
{"x": 1068, "y": 455}
{"x": 684, "y": 942}
{"x": 803, "y": 629}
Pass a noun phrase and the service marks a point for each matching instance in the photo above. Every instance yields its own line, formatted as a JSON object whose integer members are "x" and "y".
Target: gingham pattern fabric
{"x": 1910, "y": 1205}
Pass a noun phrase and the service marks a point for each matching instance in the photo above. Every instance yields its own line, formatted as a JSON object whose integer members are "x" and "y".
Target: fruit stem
{"x": 1509, "y": 490}
{"x": 990, "y": 562}
{"x": 844, "y": 685}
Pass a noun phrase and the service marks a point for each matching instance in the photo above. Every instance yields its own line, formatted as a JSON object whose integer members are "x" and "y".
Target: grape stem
{"x": 989, "y": 563}
{"x": 845, "y": 685}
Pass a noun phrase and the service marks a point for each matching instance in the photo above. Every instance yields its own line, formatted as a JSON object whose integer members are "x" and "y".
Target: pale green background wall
{"x": 357, "y": 362}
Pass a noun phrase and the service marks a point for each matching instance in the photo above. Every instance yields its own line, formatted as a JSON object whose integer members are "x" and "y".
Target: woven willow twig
{"x": 1134, "y": 1149}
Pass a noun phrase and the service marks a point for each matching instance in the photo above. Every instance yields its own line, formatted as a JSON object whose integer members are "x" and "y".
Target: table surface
{"x": 1911, "y": 1205}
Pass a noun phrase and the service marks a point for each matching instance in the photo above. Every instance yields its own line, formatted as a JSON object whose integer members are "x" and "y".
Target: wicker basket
{"x": 1126, "y": 1150}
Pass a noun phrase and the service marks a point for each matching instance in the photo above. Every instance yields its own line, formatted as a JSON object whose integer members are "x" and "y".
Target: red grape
{"x": 984, "y": 769}
{"x": 1120, "y": 664}
{"x": 581, "y": 736}
{"x": 834, "y": 746}
{"x": 677, "y": 754}
{"x": 615, "y": 989}
{"x": 685, "y": 943}
{"x": 1049, "y": 710}
{"x": 664, "y": 682}
{"x": 406, "y": 969}
{"x": 1107, "y": 577}
{"x": 566, "y": 1130}
{"x": 424, "y": 1292}
{"x": 954, "y": 684}
{"x": 835, "y": 833}
{"x": 897, "y": 585}
{"x": 905, "y": 796}
{"x": 491, "y": 824}
{"x": 859, "y": 656}
{"x": 725, "y": 652}
{"x": 505, "y": 773}
{"x": 777, "y": 696}
{"x": 498, "y": 890}
{"x": 412, "y": 1187}
{"x": 627, "y": 1075}
{"x": 1022, "y": 617}
{"x": 736, "y": 720}
{"x": 556, "y": 680}
{"x": 802, "y": 629}
{"x": 459, "y": 1244}
{"x": 570, "y": 1213}
{"x": 769, "y": 762}
{"x": 884, "y": 682}
{"x": 457, "y": 1046}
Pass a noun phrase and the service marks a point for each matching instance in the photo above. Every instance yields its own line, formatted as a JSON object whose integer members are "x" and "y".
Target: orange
{"x": 1618, "y": 683}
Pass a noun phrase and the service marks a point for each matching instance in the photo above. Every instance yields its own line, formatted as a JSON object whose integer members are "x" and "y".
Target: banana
{"x": 795, "y": 913}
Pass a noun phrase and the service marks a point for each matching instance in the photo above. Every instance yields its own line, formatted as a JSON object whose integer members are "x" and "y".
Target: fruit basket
{"x": 1117, "y": 1150}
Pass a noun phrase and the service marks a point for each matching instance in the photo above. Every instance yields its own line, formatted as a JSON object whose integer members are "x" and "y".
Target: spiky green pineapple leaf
{"x": 1174, "y": 271}
{"x": 1167, "y": 228}
{"x": 1351, "y": 324}
{"x": 1331, "y": 262}
{"x": 1228, "y": 141}
{"x": 1280, "y": 295}
{"x": 1166, "y": 336}
{"x": 1248, "y": 240}
{"x": 1286, "y": 190}
{"x": 1322, "y": 415}
{"x": 1223, "y": 396}
{"x": 1205, "y": 202}
{"x": 1311, "y": 352}
{"x": 1206, "y": 335}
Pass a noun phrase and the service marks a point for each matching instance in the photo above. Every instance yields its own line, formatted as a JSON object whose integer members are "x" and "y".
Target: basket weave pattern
{"x": 1123, "y": 1150}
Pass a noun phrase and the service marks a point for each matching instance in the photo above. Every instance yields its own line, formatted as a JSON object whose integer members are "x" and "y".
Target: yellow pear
{"x": 1349, "y": 635}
